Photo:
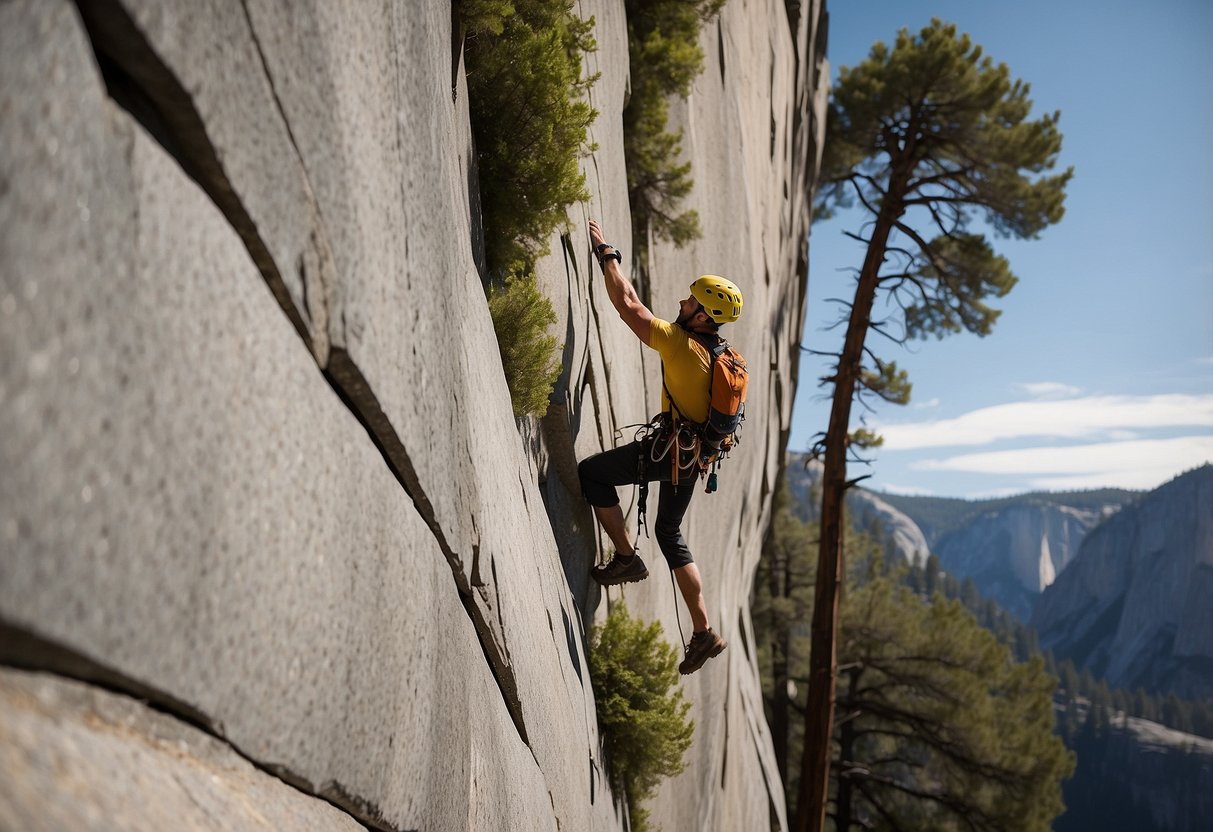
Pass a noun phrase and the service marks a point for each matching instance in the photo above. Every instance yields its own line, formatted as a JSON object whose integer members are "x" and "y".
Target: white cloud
{"x": 1089, "y": 417}
{"x": 1050, "y": 389}
{"x": 1143, "y": 463}
{"x": 927, "y": 405}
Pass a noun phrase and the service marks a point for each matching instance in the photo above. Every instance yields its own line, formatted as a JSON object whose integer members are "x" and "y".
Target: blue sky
{"x": 1100, "y": 370}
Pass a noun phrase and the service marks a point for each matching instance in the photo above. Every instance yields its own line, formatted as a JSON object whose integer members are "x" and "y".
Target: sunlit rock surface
{"x": 130, "y": 767}
{"x": 259, "y": 463}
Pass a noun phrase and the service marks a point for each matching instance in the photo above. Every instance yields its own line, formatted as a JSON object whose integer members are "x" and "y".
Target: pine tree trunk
{"x": 823, "y": 658}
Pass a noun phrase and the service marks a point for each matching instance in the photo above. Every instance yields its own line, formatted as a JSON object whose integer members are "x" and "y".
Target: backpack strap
{"x": 715, "y": 350}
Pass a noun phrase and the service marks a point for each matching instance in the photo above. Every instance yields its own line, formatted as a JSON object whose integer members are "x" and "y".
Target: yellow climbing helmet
{"x": 720, "y": 297}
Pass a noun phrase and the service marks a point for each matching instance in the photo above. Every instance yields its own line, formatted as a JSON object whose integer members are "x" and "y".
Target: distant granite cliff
{"x": 258, "y": 464}
{"x": 1011, "y": 547}
{"x": 1135, "y": 605}
{"x": 1013, "y": 553}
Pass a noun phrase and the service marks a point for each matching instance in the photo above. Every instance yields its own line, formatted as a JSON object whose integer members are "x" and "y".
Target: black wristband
{"x": 602, "y": 258}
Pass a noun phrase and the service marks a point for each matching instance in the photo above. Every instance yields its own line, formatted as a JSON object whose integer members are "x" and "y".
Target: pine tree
{"x": 932, "y": 575}
{"x": 939, "y": 727}
{"x": 1069, "y": 679}
{"x": 928, "y": 134}
{"x": 643, "y": 717}
{"x": 665, "y": 57}
{"x": 526, "y": 93}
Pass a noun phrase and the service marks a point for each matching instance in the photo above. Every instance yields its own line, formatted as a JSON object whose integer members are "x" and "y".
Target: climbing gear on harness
{"x": 621, "y": 569}
{"x": 642, "y": 501}
{"x": 648, "y": 436}
{"x": 703, "y": 646}
{"x": 677, "y": 439}
{"x": 655, "y": 442}
{"x": 708, "y": 442}
{"x": 719, "y": 296}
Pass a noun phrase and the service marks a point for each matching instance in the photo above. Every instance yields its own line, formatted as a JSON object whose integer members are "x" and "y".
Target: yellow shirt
{"x": 688, "y": 368}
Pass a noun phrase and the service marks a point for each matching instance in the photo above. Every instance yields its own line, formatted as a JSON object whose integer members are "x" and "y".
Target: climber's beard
{"x": 686, "y": 310}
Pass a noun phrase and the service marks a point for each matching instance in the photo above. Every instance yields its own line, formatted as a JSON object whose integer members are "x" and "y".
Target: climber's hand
{"x": 596, "y": 237}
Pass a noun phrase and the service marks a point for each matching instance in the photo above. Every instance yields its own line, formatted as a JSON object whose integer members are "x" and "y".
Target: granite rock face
{"x": 1012, "y": 548}
{"x": 1014, "y": 553}
{"x": 903, "y": 539}
{"x": 1134, "y": 606}
{"x": 259, "y": 462}
{"x": 129, "y": 767}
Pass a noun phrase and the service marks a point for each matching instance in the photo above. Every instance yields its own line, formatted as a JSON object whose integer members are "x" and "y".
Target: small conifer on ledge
{"x": 641, "y": 712}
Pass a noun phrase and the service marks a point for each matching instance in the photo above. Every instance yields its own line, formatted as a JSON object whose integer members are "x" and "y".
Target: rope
{"x": 677, "y": 617}
{"x": 642, "y": 503}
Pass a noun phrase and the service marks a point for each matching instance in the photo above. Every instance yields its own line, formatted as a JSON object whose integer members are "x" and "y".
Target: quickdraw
{"x": 681, "y": 445}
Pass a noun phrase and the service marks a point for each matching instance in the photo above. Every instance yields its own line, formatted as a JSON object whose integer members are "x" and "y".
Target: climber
{"x": 684, "y": 347}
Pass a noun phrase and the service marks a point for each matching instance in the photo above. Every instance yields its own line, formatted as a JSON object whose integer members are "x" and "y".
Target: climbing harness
{"x": 642, "y": 502}
{"x": 710, "y": 441}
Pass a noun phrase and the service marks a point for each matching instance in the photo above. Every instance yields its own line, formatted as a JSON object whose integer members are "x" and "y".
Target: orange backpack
{"x": 729, "y": 380}
{"x": 726, "y": 391}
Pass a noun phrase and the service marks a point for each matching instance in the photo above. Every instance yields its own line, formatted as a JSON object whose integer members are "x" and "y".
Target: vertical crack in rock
{"x": 756, "y": 717}
{"x": 606, "y": 372}
{"x": 744, "y": 634}
{"x": 458, "y": 32}
{"x": 563, "y": 420}
{"x": 724, "y": 757}
{"x": 22, "y": 649}
{"x": 317, "y": 268}
{"x": 720, "y": 47}
{"x": 556, "y": 640}
{"x": 140, "y": 82}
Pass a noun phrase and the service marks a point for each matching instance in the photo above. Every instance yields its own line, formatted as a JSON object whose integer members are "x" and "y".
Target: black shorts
{"x": 601, "y": 473}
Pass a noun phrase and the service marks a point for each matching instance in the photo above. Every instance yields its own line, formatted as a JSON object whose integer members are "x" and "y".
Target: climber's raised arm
{"x": 620, "y": 290}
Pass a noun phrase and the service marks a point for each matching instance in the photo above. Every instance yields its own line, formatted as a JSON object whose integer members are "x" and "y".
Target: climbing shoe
{"x": 703, "y": 646}
{"x": 622, "y": 569}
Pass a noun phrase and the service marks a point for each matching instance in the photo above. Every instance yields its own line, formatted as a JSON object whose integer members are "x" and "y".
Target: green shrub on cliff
{"x": 529, "y": 119}
{"x": 529, "y": 356}
{"x": 641, "y": 712}
{"x": 663, "y": 47}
